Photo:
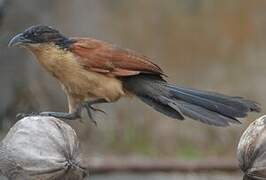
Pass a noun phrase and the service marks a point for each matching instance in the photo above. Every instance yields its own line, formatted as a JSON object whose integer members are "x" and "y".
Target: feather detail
{"x": 101, "y": 57}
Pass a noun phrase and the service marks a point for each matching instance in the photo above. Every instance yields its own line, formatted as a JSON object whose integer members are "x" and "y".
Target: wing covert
{"x": 108, "y": 59}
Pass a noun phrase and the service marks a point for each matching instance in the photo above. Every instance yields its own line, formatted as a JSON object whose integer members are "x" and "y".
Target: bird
{"x": 92, "y": 71}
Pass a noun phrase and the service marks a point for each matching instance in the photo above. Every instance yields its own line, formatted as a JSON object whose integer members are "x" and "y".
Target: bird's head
{"x": 38, "y": 35}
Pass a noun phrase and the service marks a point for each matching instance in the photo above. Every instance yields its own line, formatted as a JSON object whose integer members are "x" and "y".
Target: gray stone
{"x": 41, "y": 148}
{"x": 251, "y": 151}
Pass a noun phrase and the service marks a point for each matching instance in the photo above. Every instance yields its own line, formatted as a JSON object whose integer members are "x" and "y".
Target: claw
{"x": 23, "y": 115}
{"x": 20, "y": 116}
{"x": 94, "y": 122}
{"x": 98, "y": 110}
{"x": 89, "y": 107}
{"x": 90, "y": 115}
{"x": 92, "y": 118}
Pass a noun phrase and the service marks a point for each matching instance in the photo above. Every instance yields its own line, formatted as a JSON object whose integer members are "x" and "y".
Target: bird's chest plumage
{"x": 76, "y": 80}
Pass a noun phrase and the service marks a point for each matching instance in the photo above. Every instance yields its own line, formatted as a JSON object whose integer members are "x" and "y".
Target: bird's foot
{"x": 60, "y": 115}
{"x": 23, "y": 115}
{"x": 88, "y": 106}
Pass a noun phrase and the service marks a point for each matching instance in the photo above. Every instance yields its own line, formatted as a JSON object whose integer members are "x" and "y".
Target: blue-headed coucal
{"x": 92, "y": 71}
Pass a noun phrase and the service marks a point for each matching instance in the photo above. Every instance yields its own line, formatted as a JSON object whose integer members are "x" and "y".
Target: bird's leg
{"x": 70, "y": 116}
{"x": 89, "y": 107}
{"x": 61, "y": 115}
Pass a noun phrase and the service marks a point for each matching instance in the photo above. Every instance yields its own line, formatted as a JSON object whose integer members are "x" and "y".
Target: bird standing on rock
{"x": 92, "y": 71}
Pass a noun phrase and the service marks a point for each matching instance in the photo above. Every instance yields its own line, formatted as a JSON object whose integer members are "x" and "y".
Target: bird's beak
{"x": 18, "y": 40}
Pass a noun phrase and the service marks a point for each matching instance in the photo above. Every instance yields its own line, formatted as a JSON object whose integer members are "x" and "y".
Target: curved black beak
{"x": 18, "y": 40}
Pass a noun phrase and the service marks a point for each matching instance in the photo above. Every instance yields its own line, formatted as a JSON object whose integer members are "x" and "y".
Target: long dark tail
{"x": 208, "y": 107}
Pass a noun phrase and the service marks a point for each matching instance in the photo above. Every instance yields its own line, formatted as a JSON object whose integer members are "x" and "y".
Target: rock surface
{"x": 41, "y": 148}
{"x": 251, "y": 151}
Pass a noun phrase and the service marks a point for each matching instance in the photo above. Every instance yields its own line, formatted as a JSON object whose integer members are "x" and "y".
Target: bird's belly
{"x": 86, "y": 84}
{"x": 76, "y": 80}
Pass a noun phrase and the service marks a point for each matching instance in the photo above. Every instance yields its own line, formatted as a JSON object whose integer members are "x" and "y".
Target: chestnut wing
{"x": 108, "y": 59}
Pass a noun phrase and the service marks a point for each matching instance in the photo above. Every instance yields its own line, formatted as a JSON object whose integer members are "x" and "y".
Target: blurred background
{"x": 203, "y": 44}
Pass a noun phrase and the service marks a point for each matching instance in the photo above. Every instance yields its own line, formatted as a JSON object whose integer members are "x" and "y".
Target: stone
{"x": 251, "y": 151}
{"x": 41, "y": 148}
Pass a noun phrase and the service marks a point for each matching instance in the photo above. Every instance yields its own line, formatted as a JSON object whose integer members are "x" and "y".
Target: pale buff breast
{"x": 76, "y": 80}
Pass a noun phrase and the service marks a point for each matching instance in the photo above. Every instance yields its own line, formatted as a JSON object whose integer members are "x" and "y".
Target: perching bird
{"x": 92, "y": 71}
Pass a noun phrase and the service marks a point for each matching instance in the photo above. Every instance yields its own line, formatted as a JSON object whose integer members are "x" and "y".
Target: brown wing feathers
{"x": 105, "y": 58}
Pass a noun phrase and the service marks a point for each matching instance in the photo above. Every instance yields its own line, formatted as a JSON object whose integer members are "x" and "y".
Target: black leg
{"x": 70, "y": 116}
{"x": 61, "y": 115}
{"x": 64, "y": 115}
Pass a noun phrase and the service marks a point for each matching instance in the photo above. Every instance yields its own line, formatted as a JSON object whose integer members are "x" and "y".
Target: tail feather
{"x": 207, "y": 107}
{"x": 226, "y": 105}
{"x": 162, "y": 107}
{"x": 237, "y": 103}
{"x": 203, "y": 115}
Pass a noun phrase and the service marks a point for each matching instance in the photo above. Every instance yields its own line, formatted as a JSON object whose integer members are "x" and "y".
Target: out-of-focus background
{"x": 203, "y": 44}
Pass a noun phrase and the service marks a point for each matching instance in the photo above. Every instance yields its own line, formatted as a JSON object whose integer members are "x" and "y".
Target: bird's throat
{"x": 54, "y": 59}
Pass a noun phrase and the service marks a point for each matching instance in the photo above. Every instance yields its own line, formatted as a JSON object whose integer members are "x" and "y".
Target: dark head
{"x": 38, "y": 35}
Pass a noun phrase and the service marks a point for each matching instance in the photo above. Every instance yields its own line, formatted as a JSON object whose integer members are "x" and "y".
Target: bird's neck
{"x": 54, "y": 59}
